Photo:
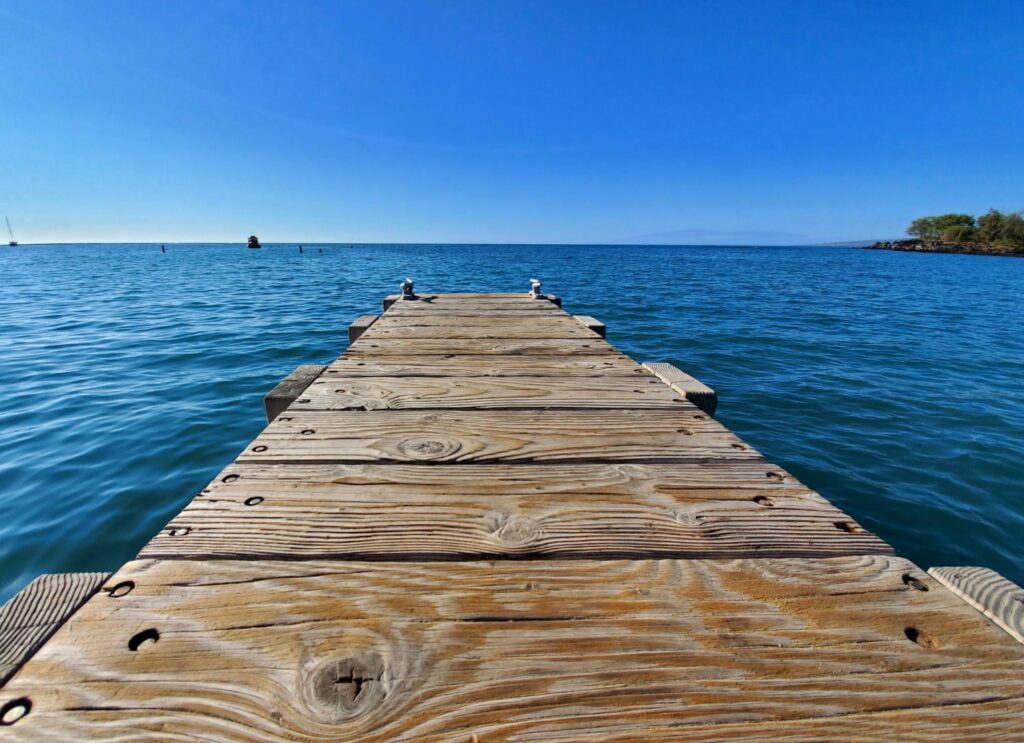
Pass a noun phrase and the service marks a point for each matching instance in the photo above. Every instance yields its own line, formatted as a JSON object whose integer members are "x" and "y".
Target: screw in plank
{"x": 916, "y": 583}
{"x": 121, "y": 589}
{"x": 849, "y": 527}
{"x": 143, "y": 639}
{"x": 14, "y": 710}
{"x": 922, "y": 638}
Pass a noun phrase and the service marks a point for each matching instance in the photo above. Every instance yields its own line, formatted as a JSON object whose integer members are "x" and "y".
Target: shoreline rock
{"x": 938, "y": 246}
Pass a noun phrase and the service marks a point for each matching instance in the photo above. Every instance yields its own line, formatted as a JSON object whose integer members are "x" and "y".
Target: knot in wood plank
{"x": 342, "y": 688}
{"x": 517, "y": 530}
{"x": 425, "y": 449}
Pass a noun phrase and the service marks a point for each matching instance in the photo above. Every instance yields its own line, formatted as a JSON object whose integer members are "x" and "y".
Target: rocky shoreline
{"x": 938, "y": 246}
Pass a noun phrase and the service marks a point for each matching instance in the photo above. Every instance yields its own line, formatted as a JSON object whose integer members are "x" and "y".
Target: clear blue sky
{"x": 505, "y": 121}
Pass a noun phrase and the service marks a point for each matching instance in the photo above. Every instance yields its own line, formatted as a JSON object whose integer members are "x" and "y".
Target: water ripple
{"x": 888, "y": 381}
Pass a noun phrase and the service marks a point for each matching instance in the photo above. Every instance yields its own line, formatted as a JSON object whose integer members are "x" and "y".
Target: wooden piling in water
{"x": 483, "y": 522}
{"x": 290, "y": 388}
{"x": 359, "y": 326}
{"x": 692, "y": 389}
{"x": 592, "y": 324}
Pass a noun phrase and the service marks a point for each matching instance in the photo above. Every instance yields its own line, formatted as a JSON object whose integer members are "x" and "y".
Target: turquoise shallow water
{"x": 890, "y": 382}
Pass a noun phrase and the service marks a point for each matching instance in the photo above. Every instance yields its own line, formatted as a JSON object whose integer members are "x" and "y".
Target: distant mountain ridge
{"x": 716, "y": 237}
{"x": 737, "y": 237}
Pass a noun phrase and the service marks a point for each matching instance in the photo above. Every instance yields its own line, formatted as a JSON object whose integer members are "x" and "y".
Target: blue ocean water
{"x": 890, "y": 382}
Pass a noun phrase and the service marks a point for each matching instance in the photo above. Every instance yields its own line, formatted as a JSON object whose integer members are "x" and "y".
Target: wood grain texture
{"x": 359, "y": 326}
{"x": 443, "y": 325}
{"x": 416, "y": 333}
{"x": 560, "y": 481}
{"x": 290, "y": 388}
{"x": 29, "y": 617}
{"x": 475, "y": 311}
{"x": 693, "y": 389}
{"x": 843, "y": 649}
{"x": 505, "y": 436}
{"x": 478, "y": 346}
{"x": 523, "y": 511}
{"x": 474, "y": 307}
{"x": 482, "y": 393}
{"x": 997, "y": 598}
{"x": 476, "y": 320}
{"x": 354, "y": 364}
{"x": 592, "y": 324}
{"x": 467, "y": 297}
{"x": 492, "y": 299}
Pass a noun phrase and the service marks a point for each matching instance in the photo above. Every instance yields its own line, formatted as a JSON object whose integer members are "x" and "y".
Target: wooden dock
{"x": 483, "y": 523}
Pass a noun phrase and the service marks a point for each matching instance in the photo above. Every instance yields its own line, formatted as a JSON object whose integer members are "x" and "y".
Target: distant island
{"x": 993, "y": 233}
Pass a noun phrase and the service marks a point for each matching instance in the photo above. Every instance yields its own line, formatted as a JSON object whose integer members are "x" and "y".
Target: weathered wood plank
{"x": 523, "y": 296}
{"x": 842, "y": 648}
{"x": 492, "y": 298}
{"x": 443, "y": 325}
{"x": 693, "y": 389}
{"x": 415, "y": 333}
{"x": 476, "y": 347}
{"x": 485, "y": 320}
{"x": 290, "y": 388}
{"x": 495, "y": 511}
{"x": 33, "y": 614}
{"x": 694, "y": 480}
{"x": 486, "y": 365}
{"x": 592, "y": 324}
{"x": 421, "y": 300}
{"x": 479, "y": 436}
{"x": 477, "y": 307}
{"x": 475, "y": 315}
{"x": 997, "y": 598}
{"x": 360, "y": 326}
{"x": 482, "y": 393}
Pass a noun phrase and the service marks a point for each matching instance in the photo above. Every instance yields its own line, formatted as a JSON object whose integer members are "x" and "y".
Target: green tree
{"x": 1013, "y": 229}
{"x": 923, "y": 227}
{"x": 990, "y": 225}
{"x": 934, "y": 228}
{"x": 949, "y": 221}
{"x": 959, "y": 233}
{"x": 992, "y": 228}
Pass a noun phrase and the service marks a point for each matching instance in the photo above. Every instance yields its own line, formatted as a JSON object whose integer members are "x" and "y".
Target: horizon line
{"x": 810, "y": 244}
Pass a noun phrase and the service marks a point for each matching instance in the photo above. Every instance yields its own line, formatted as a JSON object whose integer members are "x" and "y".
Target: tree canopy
{"x": 992, "y": 228}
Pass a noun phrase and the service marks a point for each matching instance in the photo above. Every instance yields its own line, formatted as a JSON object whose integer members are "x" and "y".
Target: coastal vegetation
{"x": 993, "y": 233}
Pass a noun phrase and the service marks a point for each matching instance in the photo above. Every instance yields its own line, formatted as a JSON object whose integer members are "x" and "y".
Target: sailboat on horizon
{"x": 13, "y": 243}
